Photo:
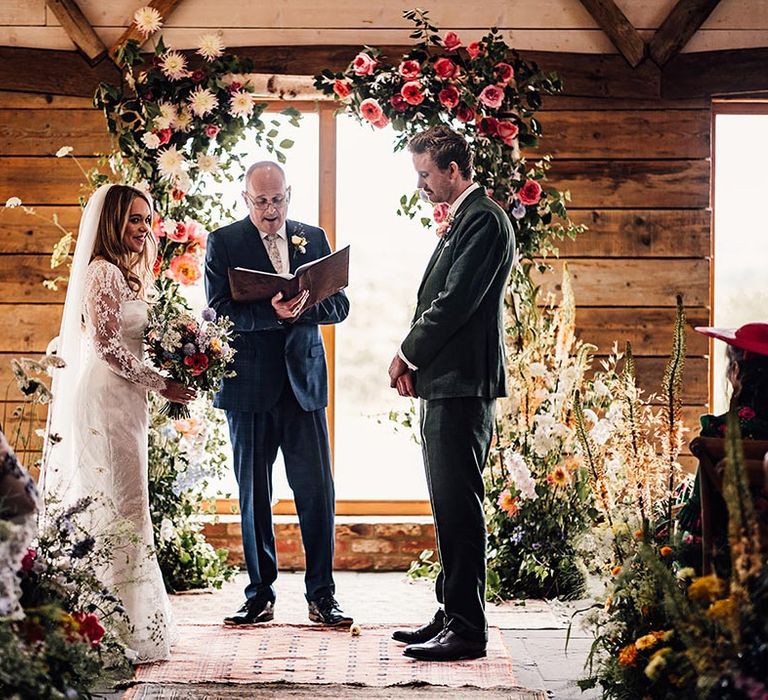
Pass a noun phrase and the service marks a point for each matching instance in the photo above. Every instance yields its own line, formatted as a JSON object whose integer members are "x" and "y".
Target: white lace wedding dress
{"x": 110, "y": 439}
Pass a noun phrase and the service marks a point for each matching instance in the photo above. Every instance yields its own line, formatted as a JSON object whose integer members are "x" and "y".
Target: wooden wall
{"x": 543, "y": 25}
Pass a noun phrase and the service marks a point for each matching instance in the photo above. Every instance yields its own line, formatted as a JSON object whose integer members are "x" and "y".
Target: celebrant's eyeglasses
{"x": 263, "y": 203}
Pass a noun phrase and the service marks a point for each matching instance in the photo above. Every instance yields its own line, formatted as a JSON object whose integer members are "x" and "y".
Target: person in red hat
{"x": 747, "y": 372}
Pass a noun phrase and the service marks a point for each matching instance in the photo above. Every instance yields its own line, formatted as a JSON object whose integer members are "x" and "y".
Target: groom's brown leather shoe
{"x": 424, "y": 633}
{"x": 252, "y": 612}
{"x": 446, "y": 646}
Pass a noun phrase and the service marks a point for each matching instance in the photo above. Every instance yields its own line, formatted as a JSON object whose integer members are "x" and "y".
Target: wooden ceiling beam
{"x": 79, "y": 29}
{"x": 618, "y": 28}
{"x": 164, "y": 7}
{"x": 681, "y": 24}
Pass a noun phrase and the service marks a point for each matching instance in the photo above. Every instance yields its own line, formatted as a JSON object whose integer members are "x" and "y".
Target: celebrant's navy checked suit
{"x": 457, "y": 342}
{"x": 277, "y": 400}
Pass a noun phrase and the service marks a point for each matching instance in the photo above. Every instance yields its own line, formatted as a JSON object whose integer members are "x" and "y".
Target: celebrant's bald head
{"x": 267, "y": 196}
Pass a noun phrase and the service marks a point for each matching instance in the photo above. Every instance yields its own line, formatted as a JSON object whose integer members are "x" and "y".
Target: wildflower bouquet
{"x": 193, "y": 352}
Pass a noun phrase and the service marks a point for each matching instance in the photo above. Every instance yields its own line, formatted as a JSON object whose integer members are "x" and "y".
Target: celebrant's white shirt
{"x": 451, "y": 213}
{"x": 282, "y": 246}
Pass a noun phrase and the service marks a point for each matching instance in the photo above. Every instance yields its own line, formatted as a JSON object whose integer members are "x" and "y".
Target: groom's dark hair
{"x": 444, "y": 145}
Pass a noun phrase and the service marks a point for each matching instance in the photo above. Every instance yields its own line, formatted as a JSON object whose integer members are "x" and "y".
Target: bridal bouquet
{"x": 196, "y": 353}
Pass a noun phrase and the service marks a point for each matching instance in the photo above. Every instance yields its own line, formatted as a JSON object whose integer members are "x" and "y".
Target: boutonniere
{"x": 299, "y": 243}
{"x": 443, "y": 219}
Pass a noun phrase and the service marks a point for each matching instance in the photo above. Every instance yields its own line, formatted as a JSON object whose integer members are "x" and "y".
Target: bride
{"x": 99, "y": 408}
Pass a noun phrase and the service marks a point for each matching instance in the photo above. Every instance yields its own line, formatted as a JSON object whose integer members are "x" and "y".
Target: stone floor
{"x": 534, "y": 632}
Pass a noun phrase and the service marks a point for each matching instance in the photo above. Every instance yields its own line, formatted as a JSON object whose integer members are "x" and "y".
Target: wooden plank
{"x": 618, "y": 28}
{"x": 715, "y": 73}
{"x": 555, "y": 103}
{"x": 616, "y": 134}
{"x": 24, "y": 233}
{"x": 13, "y": 423}
{"x": 628, "y": 282}
{"x": 22, "y": 12}
{"x": 79, "y": 29}
{"x": 49, "y": 181}
{"x": 21, "y": 280}
{"x": 43, "y": 132}
{"x": 28, "y": 100}
{"x": 679, "y": 26}
{"x": 639, "y": 233}
{"x": 650, "y": 330}
{"x": 28, "y": 328}
{"x": 633, "y": 184}
{"x": 164, "y": 7}
{"x": 29, "y": 70}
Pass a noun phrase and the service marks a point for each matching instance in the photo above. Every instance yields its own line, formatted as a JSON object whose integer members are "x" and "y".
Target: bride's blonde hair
{"x": 110, "y": 243}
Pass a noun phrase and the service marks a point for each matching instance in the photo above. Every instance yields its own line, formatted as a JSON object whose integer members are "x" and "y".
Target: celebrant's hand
{"x": 290, "y": 309}
{"x": 396, "y": 369}
{"x": 176, "y": 392}
{"x": 406, "y": 386}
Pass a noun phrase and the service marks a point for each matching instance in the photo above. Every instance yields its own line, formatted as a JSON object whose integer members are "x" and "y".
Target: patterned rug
{"x": 305, "y": 654}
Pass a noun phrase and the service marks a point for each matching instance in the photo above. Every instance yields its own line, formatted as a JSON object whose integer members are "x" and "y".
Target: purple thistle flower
{"x": 518, "y": 211}
{"x": 209, "y": 314}
{"x": 189, "y": 349}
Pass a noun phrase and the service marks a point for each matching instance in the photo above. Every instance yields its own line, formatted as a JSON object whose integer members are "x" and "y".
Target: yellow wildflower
{"x": 646, "y": 641}
{"x": 721, "y": 609}
{"x": 706, "y": 588}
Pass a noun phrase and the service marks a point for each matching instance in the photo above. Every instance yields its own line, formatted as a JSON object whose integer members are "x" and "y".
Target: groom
{"x": 277, "y": 399}
{"x": 453, "y": 359}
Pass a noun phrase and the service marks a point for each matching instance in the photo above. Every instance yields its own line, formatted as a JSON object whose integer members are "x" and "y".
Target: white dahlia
{"x": 207, "y": 163}
{"x": 202, "y": 101}
{"x": 210, "y": 46}
{"x": 174, "y": 65}
{"x": 147, "y": 20}
{"x": 170, "y": 162}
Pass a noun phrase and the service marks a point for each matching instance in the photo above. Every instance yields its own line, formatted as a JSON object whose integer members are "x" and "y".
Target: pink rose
{"x": 363, "y": 64}
{"x": 492, "y": 96}
{"x": 465, "y": 113}
{"x": 451, "y": 41}
{"x": 440, "y": 211}
{"x": 196, "y": 233}
{"x": 409, "y": 69}
{"x": 449, "y": 96}
{"x": 488, "y": 126}
{"x": 164, "y": 135}
{"x": 371, "y": 110}
{"x": 179, "y": 233}
{"x": 746, "y": 413}
{"x": 90, "y": 627}
{"x": 211, "y": 130}
{"x": 473, "y": 49}
{"x": 507, "y": 132}
{"x": 342, "y": 88}
{"x": 445, "y": 68}
{"x": 398, "y": 103}
{"x": 530, "y": 192}
{"x": 411, "y": 92}
{"x": 503, "y": 72}
{"x": 381, "y": 122}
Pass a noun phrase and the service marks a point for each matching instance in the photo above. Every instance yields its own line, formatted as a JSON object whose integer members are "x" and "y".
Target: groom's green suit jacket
{"x": 456, "y": 338}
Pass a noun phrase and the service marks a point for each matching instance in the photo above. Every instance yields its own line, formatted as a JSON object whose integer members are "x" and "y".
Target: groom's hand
{"x": 401, "y": 377}
{"x": 290, "y": 309}
{"x": 396, "y": 368}
{"x": 406, "y": 386}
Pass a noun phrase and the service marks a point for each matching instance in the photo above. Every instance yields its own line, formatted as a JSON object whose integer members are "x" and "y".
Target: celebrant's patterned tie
{"x": 274, "y": 252}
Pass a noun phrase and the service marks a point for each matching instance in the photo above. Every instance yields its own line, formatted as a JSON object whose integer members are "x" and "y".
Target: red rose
{"x": 746, "y": 413}
{"x": 90, "y": 627}
{"x": 440, "y": 211}
{"x": 164, "y": 135}
{"x": 158, "y": 265}
{"x": 371, "y": 110}
{"x": 411, "y": 92}
{"x": 381, "y": 122}
{"x": 503, "y": 72}
{"x": 507, "y": 132}
{"x": 488, "y": 126}
{"x": 234, "y": 86}
{"x": 398, "y": 103}
{"x": 211, "y": 130}
{"x": 465, "y": 113}
{"x": 179, "y": 233}
{"x": 409, "y": 69}
{"x": 449, "y": 96}
{"x": 363, "y": 64}
{"x": 530, "y": 192}
{"x": 473, "y": 49}
{"x": 492, "y": 96}
{"x": 342, "y": 88}
{"x": 197, "y": 363}
{"x": 451, "y": 41}
{"x": 445, "y": 68}
{"x": 198, "y": 76}
{"x": 29, "y": 560}
{"x": 177, "y": 195}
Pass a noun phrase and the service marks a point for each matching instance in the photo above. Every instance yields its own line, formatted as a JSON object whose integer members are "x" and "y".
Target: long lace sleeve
{"x": 104, "y": 306}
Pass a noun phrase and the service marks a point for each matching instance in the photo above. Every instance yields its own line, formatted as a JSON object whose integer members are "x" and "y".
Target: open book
{"x": 322, "y": 277}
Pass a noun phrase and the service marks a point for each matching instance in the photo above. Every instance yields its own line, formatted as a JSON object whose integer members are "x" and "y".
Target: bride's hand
{"x": 176, "y": 392}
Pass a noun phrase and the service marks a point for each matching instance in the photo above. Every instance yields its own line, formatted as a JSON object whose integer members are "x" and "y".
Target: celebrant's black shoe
{"x": 253, "y": 611}
{"x": 424, "y": 633}
{"x": 446, "y": 646}
{"x": 327, "y": 611}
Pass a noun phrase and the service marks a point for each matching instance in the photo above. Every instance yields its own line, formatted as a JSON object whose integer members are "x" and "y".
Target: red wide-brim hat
{"x": 752, "y": 337}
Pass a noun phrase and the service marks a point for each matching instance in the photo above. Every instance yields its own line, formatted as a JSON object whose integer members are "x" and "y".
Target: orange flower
{"x": 559, "y": 476}
{"x": 616, "y": 570}
{"x": 665, "y": 551}
{"x": 508, "y": 503}
{"x": 628, "y": 655}
{"x": 184, "y": 269}
{"x": 638, "y": 534}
